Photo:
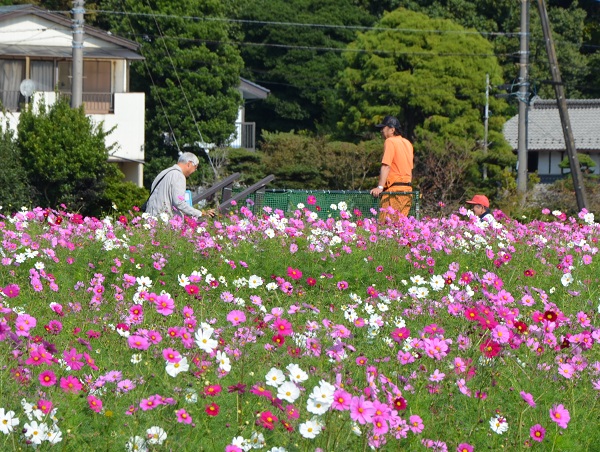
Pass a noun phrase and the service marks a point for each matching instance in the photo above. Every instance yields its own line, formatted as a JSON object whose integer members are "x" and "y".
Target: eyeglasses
{"x": 195, "y": 164}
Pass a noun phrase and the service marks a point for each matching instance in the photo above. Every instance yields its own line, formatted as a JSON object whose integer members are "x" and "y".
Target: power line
{"x": 301, "y": 24}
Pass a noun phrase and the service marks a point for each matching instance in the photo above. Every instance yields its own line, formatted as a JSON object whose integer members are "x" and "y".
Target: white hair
{"x": 188, "y": 157}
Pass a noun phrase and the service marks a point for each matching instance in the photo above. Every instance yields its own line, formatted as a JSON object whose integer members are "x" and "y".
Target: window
{"x": 12, "y": 72}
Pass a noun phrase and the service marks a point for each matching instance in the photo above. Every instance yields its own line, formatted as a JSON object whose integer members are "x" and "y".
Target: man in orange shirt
{"x": 396, "y": 170}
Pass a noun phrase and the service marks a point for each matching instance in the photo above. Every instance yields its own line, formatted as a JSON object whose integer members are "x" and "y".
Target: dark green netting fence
{"x": 322, "y": 201}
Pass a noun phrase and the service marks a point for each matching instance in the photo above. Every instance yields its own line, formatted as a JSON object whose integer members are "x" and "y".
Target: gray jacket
{"x": 170, "y": 193}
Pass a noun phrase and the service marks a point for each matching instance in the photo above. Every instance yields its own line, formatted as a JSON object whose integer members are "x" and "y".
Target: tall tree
{"x": 294, "y": 48}
{"x": 431, "y": 74}
{"x": 190, "y": 73}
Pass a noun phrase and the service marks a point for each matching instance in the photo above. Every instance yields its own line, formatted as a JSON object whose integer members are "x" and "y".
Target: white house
{"x": 545, "y": 140}
{"x": 37, "y": 45}
{"x": 245, "y": 135}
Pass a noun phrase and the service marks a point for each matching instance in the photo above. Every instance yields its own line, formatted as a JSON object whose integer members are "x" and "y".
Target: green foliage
{"x": 65, "y": 157}
{"x": 123, "y": 194}
{"x": 299, "y": 64}
{"x": 15, "y": 191}
{"x": 349, "y": 166}
{"x": 248, "y": 163}
{"x": 586, "y": 163}
{"x": 190, "y": 73}
{"x": 296, "y": 161}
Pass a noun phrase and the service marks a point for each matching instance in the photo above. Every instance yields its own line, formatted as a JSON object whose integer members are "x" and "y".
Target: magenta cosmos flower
{"x": 72, "y": 384}
{"x": 183, "y": 417}
{"x": 94, "y": 403}
{"x": 560, "y": 415}
{"x": 236, "y": 317}
{"x": 537, "y": 433}
{"x": 528, "y": 398}
{"x": 47, "y": 378}
{"x": 465, "y": 447}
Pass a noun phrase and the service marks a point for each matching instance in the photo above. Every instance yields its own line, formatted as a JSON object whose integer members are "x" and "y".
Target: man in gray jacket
{"x": 168, "y": 190}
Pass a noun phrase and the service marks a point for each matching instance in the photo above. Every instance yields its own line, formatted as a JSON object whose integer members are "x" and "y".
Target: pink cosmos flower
{"x": 171, "y": 355}
{"x": 150, "y": 403}
{"x": 212, "y": 390}
{"x": 464, "y": 447}
{"x": 380, "y": 425}
{"x": 138, "y": 342}
{"x": 183, "y": 417}
{"x": 236, "y": 317}
{"x": 416, "y": 424}
{"x": 12, "y": 290}
{"x": 95, "y": 404}
{"x": 294, "y": 273}
{"x": 400, "y": 334}
{"x": 267, "y": 420}
{"x": 165, "y": 305}
{"x": 528, "y": 398}
{"x": 311, "y": 200}
{"x": 73, "y": 359}
{"x": 47, "y": 378}
{"x": 23, "y": 324}
{"x": 361, "y": 410}
{"x": 45, "y": 406}
{"x": 342, "y": 285}
{"x": 282, "y": 326}
{"x": 341, "y": 400}
{"x": 70, "y": 384}
{"x": 566, "y": 370}
{"x": 537, "y": 433}
{"x": 560, "y": 415}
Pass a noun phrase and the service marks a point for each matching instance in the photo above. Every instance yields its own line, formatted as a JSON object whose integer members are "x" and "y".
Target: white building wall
{"x": 38, "y": 31}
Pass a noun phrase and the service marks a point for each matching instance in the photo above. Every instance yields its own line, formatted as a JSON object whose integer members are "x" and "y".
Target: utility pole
{"x": 523, "y": 100}
{"x": 77, "y": 72}
{"x": 486, "y": 117}
{"x": 562, "y": 109}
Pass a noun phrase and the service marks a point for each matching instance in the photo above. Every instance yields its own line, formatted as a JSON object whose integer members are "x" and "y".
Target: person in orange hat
{"x": 481, "y": 208}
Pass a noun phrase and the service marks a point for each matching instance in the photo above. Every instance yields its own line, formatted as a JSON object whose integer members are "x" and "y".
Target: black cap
{"x": 389, "y": 121}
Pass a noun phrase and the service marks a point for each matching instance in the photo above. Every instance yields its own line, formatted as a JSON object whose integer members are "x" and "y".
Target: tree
{"x": 65, "y": 157}
{"x": 16, "y": 191}
{"x": 297, "y": 58}
{"x": 431, "y": 74}
{"x": 190, "y": 73}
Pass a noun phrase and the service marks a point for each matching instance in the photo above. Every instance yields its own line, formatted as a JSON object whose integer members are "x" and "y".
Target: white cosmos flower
{"x": 566, "y": 279}
{"x": 8, "y": 421}
{"x": 136, "y": 444}
{"x": 275, "y": 377}
{"x": 498, "y": 424}
{"x": 309, "y": 429}
{"x": 35, "y": 432}
{"x": 297, "y": 375}
{"x": 156, "y": 435}
{"x": 224, "y": 361}
{"x": 204, "y": 340}
{"x": 174, "y": 369}
{"x": 288, "y": 391}
{"x": 183, "y": 280}
{"x": 254, "y": 282}
{"x": 316, "y": 406}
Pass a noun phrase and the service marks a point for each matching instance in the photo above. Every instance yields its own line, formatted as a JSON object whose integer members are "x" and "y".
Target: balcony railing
{"x": 246, "y": 136}
{"x": 93, "y": 103}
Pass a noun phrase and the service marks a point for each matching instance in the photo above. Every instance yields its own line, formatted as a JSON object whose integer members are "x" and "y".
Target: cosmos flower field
{"x": 290, "y": 332}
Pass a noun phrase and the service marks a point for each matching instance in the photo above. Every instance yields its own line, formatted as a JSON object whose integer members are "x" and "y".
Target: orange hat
{"x": 481, "y": 200}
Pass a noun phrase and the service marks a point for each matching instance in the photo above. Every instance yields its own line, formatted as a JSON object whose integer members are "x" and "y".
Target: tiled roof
{"x": 545, "y": 131}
